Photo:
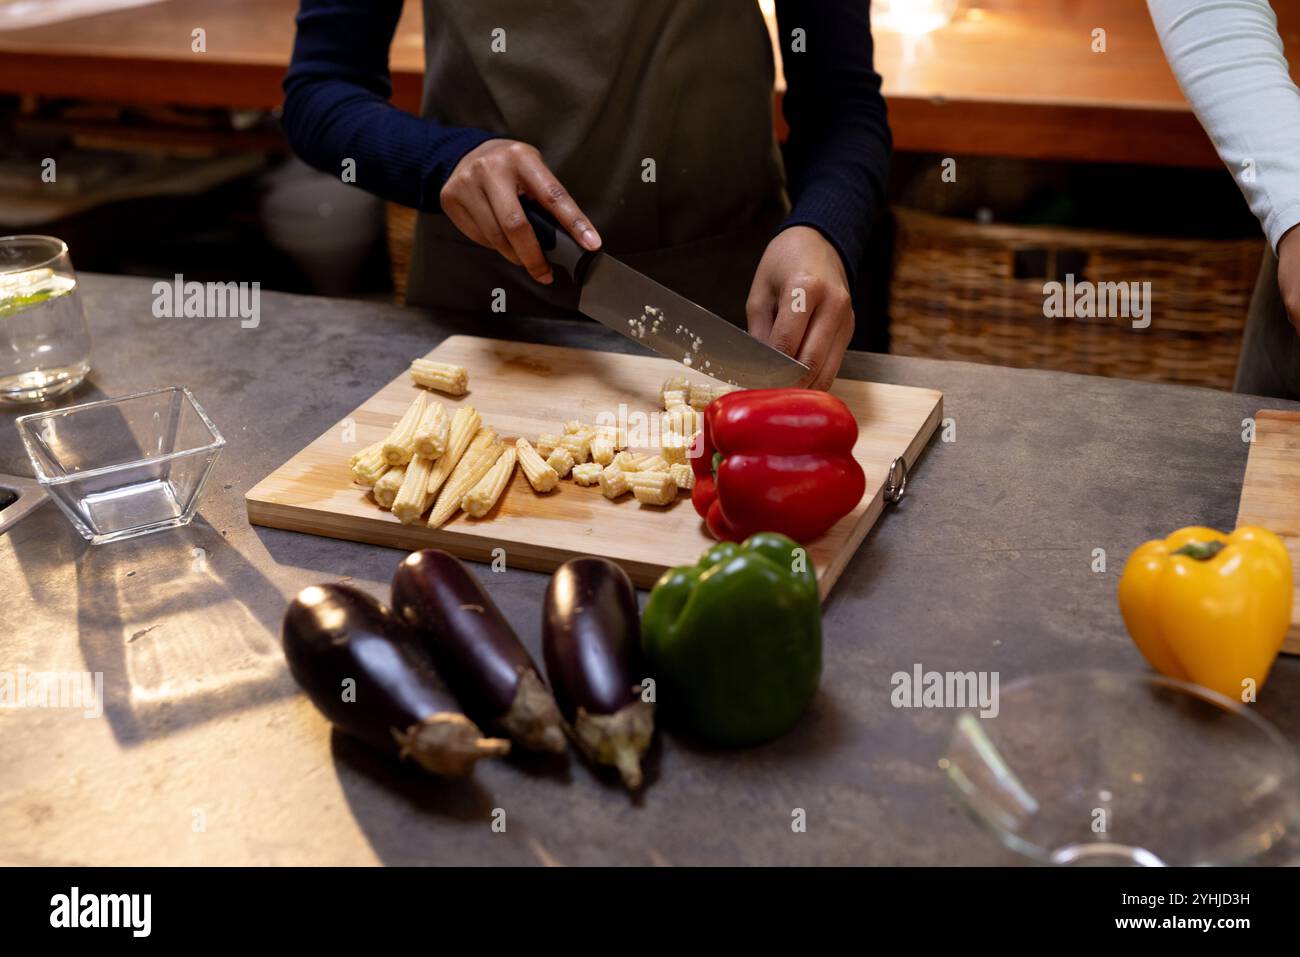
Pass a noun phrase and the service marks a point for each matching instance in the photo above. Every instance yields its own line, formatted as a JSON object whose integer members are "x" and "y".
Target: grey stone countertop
{"x": 207, "y": 754}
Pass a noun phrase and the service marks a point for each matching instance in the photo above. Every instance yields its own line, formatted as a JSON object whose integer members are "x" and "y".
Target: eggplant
{"x": 475, "y": 650}
{"x": 592, "y": 648}
{"x": 335, "y": 634}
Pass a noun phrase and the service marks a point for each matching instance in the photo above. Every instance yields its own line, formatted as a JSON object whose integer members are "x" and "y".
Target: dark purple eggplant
{"x": 334, "y": 634}
{"x": 592, "y": 647}
{"x": 475, "y": 650}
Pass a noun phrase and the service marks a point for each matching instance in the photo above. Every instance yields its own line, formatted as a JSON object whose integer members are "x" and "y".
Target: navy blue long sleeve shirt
{"x": 337, "y": 105}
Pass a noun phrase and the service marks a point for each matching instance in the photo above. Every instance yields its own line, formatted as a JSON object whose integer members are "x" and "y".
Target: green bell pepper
{"x": 735, "y": 641}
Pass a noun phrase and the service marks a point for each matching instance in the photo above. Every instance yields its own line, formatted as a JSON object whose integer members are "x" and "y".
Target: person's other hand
{"x": 800, "y": 303}
{"x": 1288, "y": 273}
{"x": 481, "y": 197}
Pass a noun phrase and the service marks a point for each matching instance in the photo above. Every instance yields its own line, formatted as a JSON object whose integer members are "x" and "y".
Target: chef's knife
{"x": 636, "y": 306}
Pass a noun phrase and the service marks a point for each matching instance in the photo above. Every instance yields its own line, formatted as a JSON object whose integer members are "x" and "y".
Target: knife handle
{"x": 557, "y": 245}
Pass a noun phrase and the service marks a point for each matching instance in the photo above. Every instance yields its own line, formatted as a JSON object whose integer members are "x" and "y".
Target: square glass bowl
{"x": 124, "y": 467}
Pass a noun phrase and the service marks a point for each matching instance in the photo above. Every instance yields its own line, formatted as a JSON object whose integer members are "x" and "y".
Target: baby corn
{"x": 464, "y": 425}
{"x": 681, "y": 419}
{"x": 576, "y": 425}
{"x": 413, "y": 497}
{"x": 675, "y": 397}
{"x": 673, "y": 447}
{"x": 614, "y": 482}
{"x": 613, "y": 435}
{"x": 653, "y": 463}
{"x": 481, "y": 455}
{"x": 602, "y": 450}
{"x": 369, "y": 465}
{"x": 578, "y": 444}
{"x": 479, "y": 500}
{"x": 560, "y": 459}
{"x": 682, "y": 475}
{"x": 546, "y": 443}
{"x": 442, "y": 376}
{"x": 701, "y": 394}
{"x": 540, "y": 476}
{"x": 385, "y": 489}
{"x": 431, "y": 434}
{"x": 653, "y": 488}
{"x": 674, "y": 383}
{"x": 627, "y": 462}
{"x": 400, "y": 444}
{"x": 588, "y": 473}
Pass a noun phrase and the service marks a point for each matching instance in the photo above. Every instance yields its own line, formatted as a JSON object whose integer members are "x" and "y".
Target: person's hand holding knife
{"x": 799, "y": 302}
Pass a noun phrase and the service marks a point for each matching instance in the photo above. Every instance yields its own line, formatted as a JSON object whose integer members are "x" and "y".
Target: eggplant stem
{"x": 448, "y": 744}
{"x": 618, "y": 739}
{"x": 533, "y": 720}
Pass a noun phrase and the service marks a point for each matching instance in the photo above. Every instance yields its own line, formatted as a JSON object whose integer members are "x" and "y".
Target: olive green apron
{"x": 1270, "y": 348}
{"x": 656, "y": 115}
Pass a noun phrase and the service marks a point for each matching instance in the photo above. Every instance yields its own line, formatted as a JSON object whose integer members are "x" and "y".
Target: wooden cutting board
{"x": 1270, "y": 494}
{"x": 524, "y": 390}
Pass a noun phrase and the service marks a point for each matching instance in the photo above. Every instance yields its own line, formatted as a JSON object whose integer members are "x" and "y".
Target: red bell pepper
{"x": 776, "y": 460}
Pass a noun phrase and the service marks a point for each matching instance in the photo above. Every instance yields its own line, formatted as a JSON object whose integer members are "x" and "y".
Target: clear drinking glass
{"x": 44, "y": 344}
{"x": 123, "y": 467}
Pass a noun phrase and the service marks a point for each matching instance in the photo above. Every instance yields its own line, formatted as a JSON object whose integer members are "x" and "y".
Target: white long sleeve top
{"x": 1228, "y": 58}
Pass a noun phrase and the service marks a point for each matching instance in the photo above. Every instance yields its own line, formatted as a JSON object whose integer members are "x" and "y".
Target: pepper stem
{"x": 1201, "y": 551}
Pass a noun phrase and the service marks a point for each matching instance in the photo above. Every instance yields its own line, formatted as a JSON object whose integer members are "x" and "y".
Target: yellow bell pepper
{"x": 1210, "y": 608}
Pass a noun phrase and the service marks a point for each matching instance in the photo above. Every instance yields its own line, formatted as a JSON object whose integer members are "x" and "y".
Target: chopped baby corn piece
{"x": 611, "y": 433}
{"x": 613, "y": 482}
{"x": 442, "y": 376}
{"x": 701, "y": 394}
{"x": 653, "y": 463}
{"x": 560, "y": 459}
{"x": 546, "y": 443}
{"x": 464, "y": 426}
{"x": 653, "y": 488}
{"x": 602, "y": 450}
{"x": 479, "y": 500}
{"x": 627, "y": 461}
{"x": 675, "y": 397}
{"x": 369, "y": 465}
{"x": 576, "y": 425}
{"x": 682, "y": 475}
{"x": 432, "y": 432}
{"x": 385, "y": 489}
{"x": 540, "y": 476}
{"x": 578, "y": 445}
{"x": 672, "y": 447}
{"x": 413, "y": 497}
{"x": 481, "y": 455}
{"x": 681, "y": 419}
{"x": 588, "y": 473}
{"x": 674, "y": 383}
{"x": 400, "y": 444}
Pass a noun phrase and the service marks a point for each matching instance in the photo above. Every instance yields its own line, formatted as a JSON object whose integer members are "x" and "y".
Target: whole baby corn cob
{"x": 400, "y": 444}
{"x": 479, "y": 500}
{"x": 432, "y": 432}
{"x": 464, "y": 425}
{"x": 385, "y": 489}
{"x": 441, "y": 376}
{"x": 369, "y": 465}
{"x": 413, "y": 497}
{"x": 540, "y": 476}
{"x": 481, "y": 455}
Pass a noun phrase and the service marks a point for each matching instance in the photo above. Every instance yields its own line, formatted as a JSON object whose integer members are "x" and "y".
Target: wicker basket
{"x": 962, "y": 290}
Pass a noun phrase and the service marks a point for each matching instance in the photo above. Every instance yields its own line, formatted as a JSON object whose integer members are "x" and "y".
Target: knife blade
{"x": 634, "y": 305}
